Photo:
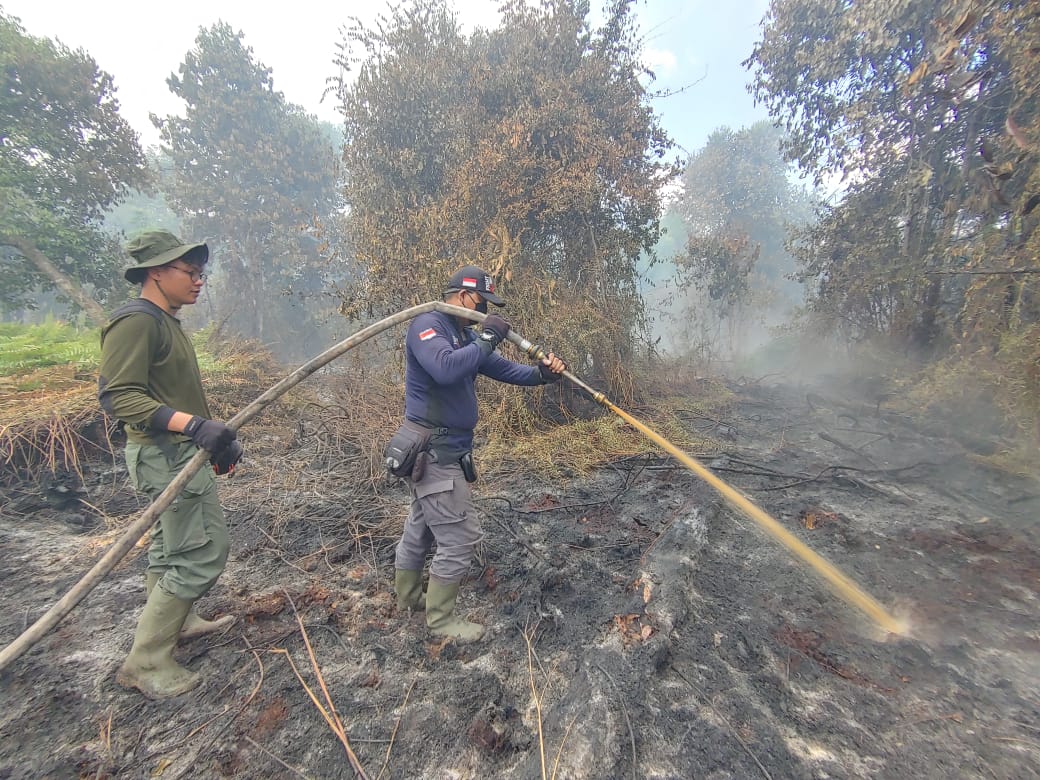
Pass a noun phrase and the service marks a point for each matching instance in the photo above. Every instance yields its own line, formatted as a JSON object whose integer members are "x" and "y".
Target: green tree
{"x": 927, "y": 111}
{"x": 530, "y": 149}
{"x": 250, "y": 172}
{"x": 66, "y": 156}
{"x": 142, "y": 210}
{"x": 738, "y": 202}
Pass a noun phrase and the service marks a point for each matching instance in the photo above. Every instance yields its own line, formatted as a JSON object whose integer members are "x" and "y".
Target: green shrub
{"x": 25, "y": 348}
{"x": 28, "y": 348}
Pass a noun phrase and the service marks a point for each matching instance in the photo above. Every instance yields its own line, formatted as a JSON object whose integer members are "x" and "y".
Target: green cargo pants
{"x": 190, "y": 539}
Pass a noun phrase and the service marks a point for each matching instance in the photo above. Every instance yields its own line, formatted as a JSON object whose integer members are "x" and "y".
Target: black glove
{"x": 548, "y": 375}
{"x": 495, "y": 329}
{"x": 209, "y": 435}
{"x": 224, "y": 463}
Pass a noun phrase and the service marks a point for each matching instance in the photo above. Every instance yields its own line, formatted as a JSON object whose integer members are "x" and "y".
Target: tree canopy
{"x": 250, "y": 172}
{"x": 530, "y": 150}
{"x": 928, "y": 111}
{"x": 66, "y": 156}
{"x": 738, "y": 202}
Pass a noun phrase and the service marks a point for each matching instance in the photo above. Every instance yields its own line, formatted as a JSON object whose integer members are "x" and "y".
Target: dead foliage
{"x": 817, "y": 518}
{"x": 555, "y": 432}
{"x": 632, "y": 628}
{"x": 51, "y": 422}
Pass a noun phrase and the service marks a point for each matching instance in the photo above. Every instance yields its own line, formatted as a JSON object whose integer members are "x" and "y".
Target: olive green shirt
{"x": 146, "y": 363}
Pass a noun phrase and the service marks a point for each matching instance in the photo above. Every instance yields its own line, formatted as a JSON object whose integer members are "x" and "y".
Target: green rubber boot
{"x": 408, "y": 587}
{"x": 440, "y": 613}
{"x": 150, "y": 666}
{"x": 194, "y": 625}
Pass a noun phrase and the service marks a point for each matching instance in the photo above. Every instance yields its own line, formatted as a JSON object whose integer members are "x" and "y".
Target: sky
{"x": 693, "y": 44}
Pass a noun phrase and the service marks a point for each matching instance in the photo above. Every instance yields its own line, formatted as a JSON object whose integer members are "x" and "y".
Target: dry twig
{"x": 397, "y": 725}
{"x": 720, "y": 716}
{"x": 330, "y": 715}
{"x": 271, "y": 755}
{"x": 628, "y": 722}
{"x": 528, "y": 633}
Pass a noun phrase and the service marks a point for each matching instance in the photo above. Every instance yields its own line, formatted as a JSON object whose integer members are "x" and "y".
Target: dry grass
{"x": 53, "y": 424}
{"x": 316, "y": 454}
{"x": 516, "y": 437}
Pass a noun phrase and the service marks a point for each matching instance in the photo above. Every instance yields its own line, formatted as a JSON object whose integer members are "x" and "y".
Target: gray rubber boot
{"x": 150, "y": 666}
{"x": 194, "y": 625}
{"x": 440, "y": 613}
{"x": 408, "y": 587}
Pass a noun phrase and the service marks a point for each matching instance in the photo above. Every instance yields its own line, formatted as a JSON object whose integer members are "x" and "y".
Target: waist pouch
{"x": 406, "y": 450}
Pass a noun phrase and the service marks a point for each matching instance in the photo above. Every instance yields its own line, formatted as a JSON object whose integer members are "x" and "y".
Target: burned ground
{"x": 638, "y": 626}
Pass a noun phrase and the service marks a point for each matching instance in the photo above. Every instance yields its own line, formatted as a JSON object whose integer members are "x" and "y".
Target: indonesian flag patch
{"x": 469, "y": 281}
{"x": 427, "y": 334}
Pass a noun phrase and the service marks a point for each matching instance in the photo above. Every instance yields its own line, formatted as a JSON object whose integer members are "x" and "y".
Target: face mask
{"x": 482, "y": 307}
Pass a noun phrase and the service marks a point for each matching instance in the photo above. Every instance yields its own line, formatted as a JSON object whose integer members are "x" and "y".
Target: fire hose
{"x": 839, "y": 582}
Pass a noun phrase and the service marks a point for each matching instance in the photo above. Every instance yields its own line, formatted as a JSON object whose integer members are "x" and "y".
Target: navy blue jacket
{"x": 443, "y": 361}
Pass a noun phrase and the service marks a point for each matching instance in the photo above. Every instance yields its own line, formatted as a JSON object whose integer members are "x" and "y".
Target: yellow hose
{"x": 842, "y": 585}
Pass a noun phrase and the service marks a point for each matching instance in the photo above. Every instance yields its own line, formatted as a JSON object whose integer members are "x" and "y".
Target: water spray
{"x": 844, "y": 587}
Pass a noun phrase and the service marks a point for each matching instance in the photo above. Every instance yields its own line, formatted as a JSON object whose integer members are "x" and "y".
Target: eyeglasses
{"x": 196, "y": 276}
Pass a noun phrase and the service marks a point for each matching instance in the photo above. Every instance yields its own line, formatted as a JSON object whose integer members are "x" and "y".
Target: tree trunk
{"x": 61, "y": 281}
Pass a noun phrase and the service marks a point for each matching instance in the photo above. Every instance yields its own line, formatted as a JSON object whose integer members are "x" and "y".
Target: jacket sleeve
{"x": 497, "y": 367}
{"x": 127, "y": 347}
{"x": 433, "y": 349}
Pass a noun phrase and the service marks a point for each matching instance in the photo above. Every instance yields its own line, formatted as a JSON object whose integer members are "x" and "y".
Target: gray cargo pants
{"x": 442, "y": 513}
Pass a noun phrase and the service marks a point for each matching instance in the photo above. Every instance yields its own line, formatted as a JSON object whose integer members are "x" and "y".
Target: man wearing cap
{"x": 149, "y": 379}
{"x": 444, "y": 357}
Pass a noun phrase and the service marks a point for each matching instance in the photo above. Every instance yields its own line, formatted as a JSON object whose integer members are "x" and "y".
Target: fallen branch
{"x": 827, "y": 469}
{"x": 520, "y": 540}
{"x": 847, "y": 447}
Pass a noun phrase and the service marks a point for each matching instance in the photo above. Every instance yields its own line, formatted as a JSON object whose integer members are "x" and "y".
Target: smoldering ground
{"x": 638, "y": 626}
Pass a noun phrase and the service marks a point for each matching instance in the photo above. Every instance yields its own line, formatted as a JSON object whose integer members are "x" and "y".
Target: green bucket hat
{"x": 158, "y": 247}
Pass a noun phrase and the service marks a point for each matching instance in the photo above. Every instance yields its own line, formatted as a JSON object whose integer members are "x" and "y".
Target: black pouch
{"x": 469, "y": 468}
{"x": 419, "y": 469}
{"x": 405, "y": 447}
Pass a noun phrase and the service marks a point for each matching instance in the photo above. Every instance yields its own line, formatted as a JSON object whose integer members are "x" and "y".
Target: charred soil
{"x": 637, "y": 626}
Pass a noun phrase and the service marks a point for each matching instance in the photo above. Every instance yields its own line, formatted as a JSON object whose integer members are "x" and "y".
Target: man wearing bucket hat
{"x": 444, "y": 357}
{"x": 149, "y": 379}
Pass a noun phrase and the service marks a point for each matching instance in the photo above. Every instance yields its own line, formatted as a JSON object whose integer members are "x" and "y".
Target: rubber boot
{"x": 194, "y": 625}
{"x": 150, "y": 666}
{"x": 440, "y": 613}
{"x": 408, "y": 587}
